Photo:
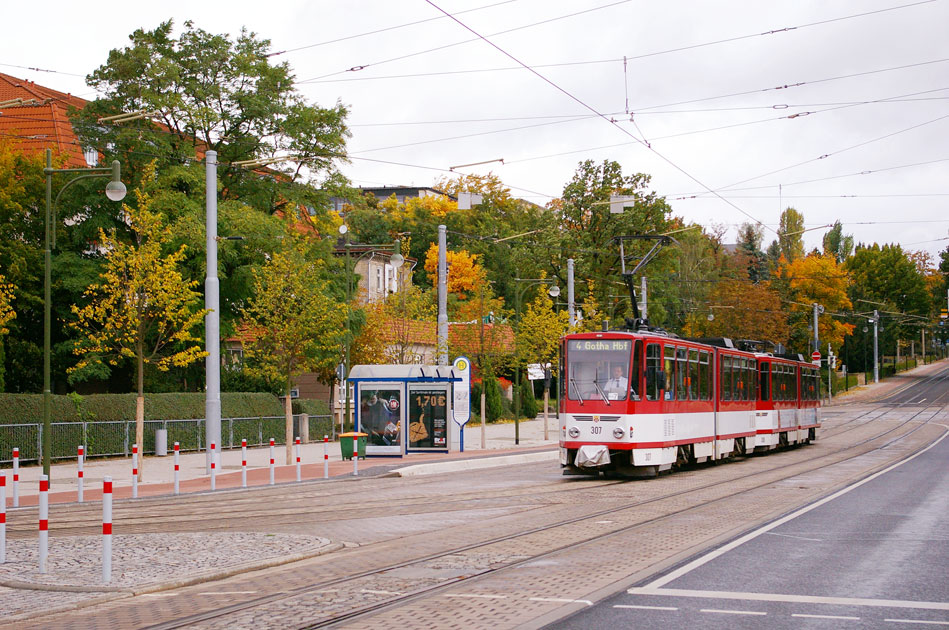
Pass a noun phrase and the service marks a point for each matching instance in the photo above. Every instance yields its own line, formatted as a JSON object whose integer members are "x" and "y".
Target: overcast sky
{"x": 839, "y": 109}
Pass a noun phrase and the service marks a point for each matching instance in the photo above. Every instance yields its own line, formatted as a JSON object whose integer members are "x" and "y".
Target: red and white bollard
{"x": 297, "y": 443}
{"x": 3, "y": 517}
{"x": 79, "y": 475}
{"x": 44, "y": 521}
{"x": 326, "y": 457}
{"x": 271, "y": 461}
{"x": 135, "y": 471}
{"x": 16, "y": 477}
{"x": 213, "y": 466}
{"x": 243, "y": 463}
{"x": 177, "y": 468}
{"x": 355, "y": 455}
{"x": 107, "y": 529}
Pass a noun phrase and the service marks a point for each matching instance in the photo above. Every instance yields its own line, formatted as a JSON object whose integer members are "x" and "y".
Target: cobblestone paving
{"x": 634, "y": 533}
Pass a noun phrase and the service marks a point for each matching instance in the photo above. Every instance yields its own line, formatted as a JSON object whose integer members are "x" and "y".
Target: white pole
{"x": 212, "y": 402}
{"x": 3, "y": 517}
{"x": 135, "y": 471}
{"x": 355, "y": 455}
{"x": 441, "y": 349}
{"x": 213, "y": 466}
{"x": 271, "y": 461}
{"x": 79, "y": 479}
{"x": 177, "y": 468}
{"x": 297, "y": 444}
{"x": 107, "y": 529}
{"x": 44, "y": 521}
{"x": 16, "y": 477}
{"x": 326, "y": 457}
{"x": 243, "y": 463}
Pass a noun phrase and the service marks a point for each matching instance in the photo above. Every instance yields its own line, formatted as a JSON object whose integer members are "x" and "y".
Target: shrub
{"x": 528, "y": 402}
{"x": 492, "y": 399}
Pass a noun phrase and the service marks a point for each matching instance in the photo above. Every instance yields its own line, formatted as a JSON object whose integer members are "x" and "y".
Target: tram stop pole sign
{"x": 815, "y": 357}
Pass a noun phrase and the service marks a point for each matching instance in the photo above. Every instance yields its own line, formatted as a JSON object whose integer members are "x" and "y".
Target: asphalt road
{"x": 923, "y": 390}
{"x": 876, "y": 556}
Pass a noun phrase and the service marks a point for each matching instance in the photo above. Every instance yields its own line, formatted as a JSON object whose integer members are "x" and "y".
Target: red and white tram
{"x": 639, "y": 402}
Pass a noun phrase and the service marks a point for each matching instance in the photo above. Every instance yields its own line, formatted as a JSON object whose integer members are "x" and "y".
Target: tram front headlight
{"x": 618, "y": 433}
{"x": 574, "y": 432}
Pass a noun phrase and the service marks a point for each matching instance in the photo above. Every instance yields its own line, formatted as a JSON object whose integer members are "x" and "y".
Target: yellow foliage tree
{"x": 297, "y": 327}
{"x": 6, "y": 305}
{"x": 823, "y": 280}
{"x": 742, "y": 310}
{"x": 143, "y": 309}
{"x": 465, "y": 272}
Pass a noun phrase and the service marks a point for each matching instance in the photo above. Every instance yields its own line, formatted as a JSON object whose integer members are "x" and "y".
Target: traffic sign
{"x": 815, "y": 356}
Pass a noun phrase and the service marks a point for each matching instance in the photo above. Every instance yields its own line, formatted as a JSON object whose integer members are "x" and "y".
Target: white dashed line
{"x": 732, "y": 612}
{"x": 825, "y": 617}
{"x": 645, "y": 607}
{"x": 372, "y": 592}
{"x": 474, "y": 596}
{"x": 793, "y": 599}
{"x": 565, "y": 601}
{"x": 919, "y": 621}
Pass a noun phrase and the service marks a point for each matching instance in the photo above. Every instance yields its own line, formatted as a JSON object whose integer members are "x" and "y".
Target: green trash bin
{"x": 346, "y": 444}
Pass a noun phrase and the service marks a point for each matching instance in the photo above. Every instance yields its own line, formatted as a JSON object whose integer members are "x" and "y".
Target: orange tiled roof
{"x": 44, "y": 125}
{"x": 466, "y": 338}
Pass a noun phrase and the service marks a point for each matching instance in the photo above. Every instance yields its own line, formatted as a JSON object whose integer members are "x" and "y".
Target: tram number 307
{"x": 596, "y": 430}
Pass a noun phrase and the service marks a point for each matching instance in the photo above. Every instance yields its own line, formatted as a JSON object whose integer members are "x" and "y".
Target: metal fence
{"x": 111, "y": 439}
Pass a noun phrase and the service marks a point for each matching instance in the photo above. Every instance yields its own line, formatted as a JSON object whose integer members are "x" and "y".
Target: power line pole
{"x": 876, "y": 360}
{"x": 212, "y": 403}
{"x": 442, "y": 343}
{"x": 571, "y": 307}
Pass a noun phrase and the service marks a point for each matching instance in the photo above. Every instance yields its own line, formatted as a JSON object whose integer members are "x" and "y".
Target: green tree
{"x": 791, "y": 234}
{"x": 749, "y": 251}
{"x": 6, "y": 315}
{"x": 838, "y": 244}
{"x": 295, "y": 324}
{"x": 142, "y": 308}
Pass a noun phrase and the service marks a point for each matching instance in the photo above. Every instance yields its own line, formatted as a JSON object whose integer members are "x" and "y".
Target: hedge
{"x": 28, "y": 408}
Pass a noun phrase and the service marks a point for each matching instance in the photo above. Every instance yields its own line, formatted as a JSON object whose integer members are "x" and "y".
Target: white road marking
{"x": 603, "y": 522}
{"x": 565, "y": 601}
{"x": 674, "y": 575}
{"x": 645, "y": 607}
{"x": 732, "y": 612}
{"x": 795, "y": 537}
{"x": 372, "y": 592}
{"x": 472, "y": 595}
{"x": 228, "y": 593}
{"x": 794, "y": 599}
{"x": 825, "y": 617}
{"x": 923, "y": 621}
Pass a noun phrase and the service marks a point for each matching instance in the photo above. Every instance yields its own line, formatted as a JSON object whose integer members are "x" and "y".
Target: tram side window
{"x": 653, "y": 370}
{"x": 795, "y": 388}
{"x": 725, "y": 382}
{"x": 636, "y": 374}
{"x": 752, "y": 380}
{"x": 765, "y": 380}
{"x": 740, "y": 389}
{"x": 694, "y": 377}
{"x": 784, "y": 382}
{"x": 682, "y": 373}
{"x": 670, "y": 356}
{"x": 705, "y": 383}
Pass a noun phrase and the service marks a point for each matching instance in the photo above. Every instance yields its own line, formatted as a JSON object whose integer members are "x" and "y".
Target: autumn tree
{"x": 296, "y": 325}
{"x": 6, "y": 315}
{"x": 464, "y": 270}
{"x": 740, "y": 309}
{"x": 142, "y": 308}
{"x": 539, "y": 331}
{"x": 817, "y": 279}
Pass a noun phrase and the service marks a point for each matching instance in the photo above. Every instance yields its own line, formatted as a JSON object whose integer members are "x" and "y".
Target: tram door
{"x": 428, "y": 418}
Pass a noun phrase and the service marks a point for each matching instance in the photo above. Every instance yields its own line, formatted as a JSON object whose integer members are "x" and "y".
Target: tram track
{"x": 763, "y": 479}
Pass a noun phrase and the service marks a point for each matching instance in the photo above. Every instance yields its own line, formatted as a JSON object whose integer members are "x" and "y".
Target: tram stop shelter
{"x": 408, "y": 408}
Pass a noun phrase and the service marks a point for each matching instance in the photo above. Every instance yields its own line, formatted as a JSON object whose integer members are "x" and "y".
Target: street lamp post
{"x": 114, "y": 190}
{"x": 519, "y": 285}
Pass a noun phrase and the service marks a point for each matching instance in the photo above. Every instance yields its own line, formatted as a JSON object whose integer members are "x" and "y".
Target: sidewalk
{"x": 158, "y": 472}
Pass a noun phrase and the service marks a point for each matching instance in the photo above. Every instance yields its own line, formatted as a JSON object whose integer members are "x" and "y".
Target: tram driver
{"x": 618, "y": 383}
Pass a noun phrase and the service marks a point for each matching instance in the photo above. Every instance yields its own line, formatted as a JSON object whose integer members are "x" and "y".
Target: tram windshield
{"x": 598, "y": 369}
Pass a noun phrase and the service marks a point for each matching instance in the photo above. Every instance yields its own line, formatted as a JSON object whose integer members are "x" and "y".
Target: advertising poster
{"x": 379, "y": 417}
{"x": 428, "y": 418}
